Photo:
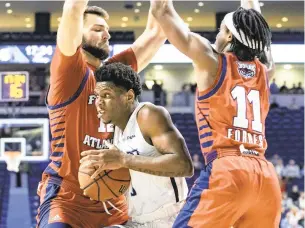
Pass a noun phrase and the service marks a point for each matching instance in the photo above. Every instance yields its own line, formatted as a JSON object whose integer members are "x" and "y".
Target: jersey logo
{"x": 133, "y": 152}
{"x": 246, "y": 70}
{"x": 130, "y": 137}
{"x": 91, "y": 99}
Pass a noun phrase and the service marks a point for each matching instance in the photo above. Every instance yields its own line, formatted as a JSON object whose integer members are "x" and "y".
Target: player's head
{"x": 117, "y": 88}
{"x": 245, "y": 33}
{"x": 96, "y": 32}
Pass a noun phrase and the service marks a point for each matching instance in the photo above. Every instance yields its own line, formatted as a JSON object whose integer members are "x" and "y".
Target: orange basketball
{"x": 107, "y": 185}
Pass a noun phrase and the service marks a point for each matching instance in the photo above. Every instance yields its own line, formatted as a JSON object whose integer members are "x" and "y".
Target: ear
{"x": 130, "y": 96}
{"x": 229, "y": 37}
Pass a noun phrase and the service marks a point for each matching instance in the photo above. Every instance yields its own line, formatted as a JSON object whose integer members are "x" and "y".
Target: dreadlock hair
{"x": 120, "y": 75}
{"x": 254, "y": 26}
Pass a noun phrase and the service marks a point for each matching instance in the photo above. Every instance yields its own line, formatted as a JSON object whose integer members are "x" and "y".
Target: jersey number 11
{"x": 241, "y": 120}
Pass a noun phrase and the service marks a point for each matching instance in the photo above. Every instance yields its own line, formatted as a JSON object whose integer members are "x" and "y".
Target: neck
{"x": 124, "y": 120}
{"x": 92, "y": 60}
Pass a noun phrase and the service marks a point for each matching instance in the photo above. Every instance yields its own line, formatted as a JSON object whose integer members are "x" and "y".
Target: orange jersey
{"x": 74, "y": 124}
{"x": 231, "y": 114}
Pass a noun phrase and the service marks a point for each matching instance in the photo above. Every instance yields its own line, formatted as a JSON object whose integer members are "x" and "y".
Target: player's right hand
{"x": 111, "y": 158}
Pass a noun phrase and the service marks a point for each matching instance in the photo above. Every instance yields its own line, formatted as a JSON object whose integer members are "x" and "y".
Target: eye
{"x": 107, "y": 95}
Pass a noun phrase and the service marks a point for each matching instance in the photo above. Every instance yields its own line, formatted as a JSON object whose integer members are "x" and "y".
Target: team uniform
{"x": 238, "y": 186}
{"x": 75, "y": 127}
{"x": 153, "y": 201}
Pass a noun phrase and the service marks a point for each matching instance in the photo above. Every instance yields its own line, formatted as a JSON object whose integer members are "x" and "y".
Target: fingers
{"x": 91, "y": 164}
{"x": 97, "y": 172}
{"x": 109, "y": 145}
{"x": 85, "y": 194}
{"x": 90, "y": 158}
{"x": 91, "y": 152}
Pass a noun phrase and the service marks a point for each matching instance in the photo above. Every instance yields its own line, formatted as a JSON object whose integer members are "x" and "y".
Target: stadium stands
{"x": 4, "y": 194}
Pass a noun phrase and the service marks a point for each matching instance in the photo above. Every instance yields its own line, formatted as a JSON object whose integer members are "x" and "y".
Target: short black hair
{"x": 254, "y": 26}
{"x": 95, "y": 10}
{"x": 120, "y": 75}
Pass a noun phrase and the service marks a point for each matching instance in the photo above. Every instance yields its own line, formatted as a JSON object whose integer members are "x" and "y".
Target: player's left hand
{"x": 111, "y": 158}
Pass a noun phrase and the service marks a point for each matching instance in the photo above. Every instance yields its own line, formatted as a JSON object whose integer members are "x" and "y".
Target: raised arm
{"x": 69, "y": 35}
{"x": 191, "y": 44}
{"x": 68, "y": 66}
{"x": 254, "y": 4}
{"x": 148, "y": 43}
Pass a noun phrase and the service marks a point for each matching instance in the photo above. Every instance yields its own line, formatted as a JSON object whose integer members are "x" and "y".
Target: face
{"x": 223, "y": 39}
{"x": 96, "y": 36}
{"x": 111, "y": 102}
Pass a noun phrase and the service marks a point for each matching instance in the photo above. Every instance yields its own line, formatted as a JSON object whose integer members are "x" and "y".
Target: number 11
{"x": 239, "y": 94}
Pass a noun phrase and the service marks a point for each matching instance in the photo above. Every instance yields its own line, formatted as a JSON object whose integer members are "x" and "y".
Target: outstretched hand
{"x": 111, "y": 158}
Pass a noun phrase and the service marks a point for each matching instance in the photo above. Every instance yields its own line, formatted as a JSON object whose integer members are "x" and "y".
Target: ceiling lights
{"x": 284, "y": 19}
{"x": 158, "y": 67}
{"x": 124, "y": 18}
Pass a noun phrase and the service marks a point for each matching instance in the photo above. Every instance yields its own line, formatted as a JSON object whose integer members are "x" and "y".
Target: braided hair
{"x": 255, "y": 27}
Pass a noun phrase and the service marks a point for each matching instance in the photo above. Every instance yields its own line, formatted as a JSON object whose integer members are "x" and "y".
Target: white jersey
{"x": 148, "y": 192}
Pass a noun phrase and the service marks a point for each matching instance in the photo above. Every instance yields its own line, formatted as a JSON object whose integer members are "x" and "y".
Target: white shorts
{"x": 166, "y": 222}
{"x": 164, "y": 217}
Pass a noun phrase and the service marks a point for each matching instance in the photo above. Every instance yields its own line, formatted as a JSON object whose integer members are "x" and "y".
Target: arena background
{"x": 27, "y": 42}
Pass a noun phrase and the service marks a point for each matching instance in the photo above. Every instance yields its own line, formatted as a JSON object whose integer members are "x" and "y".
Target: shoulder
{"x": 153, "y": 117}
{"x": 152, "y": 112}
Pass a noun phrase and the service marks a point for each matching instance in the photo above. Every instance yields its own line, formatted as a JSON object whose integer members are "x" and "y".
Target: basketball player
{"x": 146, "y": 142}
{"x": 82, "y": 45}
{"x": 238, "y": 186}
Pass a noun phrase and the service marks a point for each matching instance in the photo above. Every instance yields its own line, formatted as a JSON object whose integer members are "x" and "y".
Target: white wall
{"x": 175, "y": 75}
{"x": 295, "y": 75}
{"x": 173, "y": 78}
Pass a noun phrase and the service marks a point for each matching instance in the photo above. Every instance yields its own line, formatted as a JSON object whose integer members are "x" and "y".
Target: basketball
{"x": 109, "y": 184}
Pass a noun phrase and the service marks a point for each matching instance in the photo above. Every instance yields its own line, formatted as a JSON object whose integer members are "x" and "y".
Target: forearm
{"x": 69, "y": 34}
{"x": 149, "y": 42}
{"x": 77, "y": 6}
{"x": 167, "y": 165}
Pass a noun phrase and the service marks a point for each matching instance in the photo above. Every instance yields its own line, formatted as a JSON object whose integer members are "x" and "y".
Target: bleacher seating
{"x": 34, "y": 177}
{"x": 4, "y": 194}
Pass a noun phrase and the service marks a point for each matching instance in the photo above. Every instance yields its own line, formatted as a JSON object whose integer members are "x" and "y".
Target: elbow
{"x": 188, "y": 168}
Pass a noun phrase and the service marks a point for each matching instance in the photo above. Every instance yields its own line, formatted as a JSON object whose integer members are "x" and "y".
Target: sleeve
{"x": 126, "y": 57}
{"x": 67, "y": 73}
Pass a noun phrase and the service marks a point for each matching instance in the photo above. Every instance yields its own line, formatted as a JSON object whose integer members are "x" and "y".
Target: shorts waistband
{"x": 234, "y": 152}
{"x": 163, "y": 212}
